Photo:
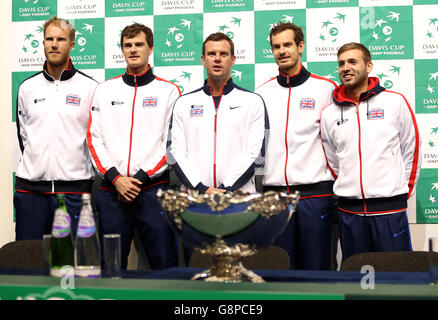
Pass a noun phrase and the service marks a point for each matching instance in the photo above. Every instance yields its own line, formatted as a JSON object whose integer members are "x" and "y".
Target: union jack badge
{"x": 376, "y": 114}
{"x": 73, "y": 100}
{"x": 196, "y": 111}
{"x": 307, "y": 104}
{"x": 150, "y": 102}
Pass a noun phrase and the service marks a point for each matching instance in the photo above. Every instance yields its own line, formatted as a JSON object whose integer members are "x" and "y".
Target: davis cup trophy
{"x": 228, "y": 226}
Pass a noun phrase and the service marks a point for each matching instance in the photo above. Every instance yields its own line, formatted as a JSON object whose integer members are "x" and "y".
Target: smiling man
{"x": 216, "y": 137}
{"x": 372, "y": 145}
{"x": 126, "y": 136}
{"x": 52, "y": 118}
{"x": 295, "y": 157}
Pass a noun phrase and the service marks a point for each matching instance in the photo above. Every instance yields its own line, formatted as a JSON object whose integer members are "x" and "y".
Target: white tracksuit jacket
{"x": 373, "y": 150}
{"x": 128, "y": 125}
{"x": 221, "y": 149}
{"x": 52, "y": 118}
{"x": 294, "y": 156}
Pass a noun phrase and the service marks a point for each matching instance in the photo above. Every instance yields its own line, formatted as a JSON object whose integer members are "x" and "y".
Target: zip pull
{"x": 135, "y": 79}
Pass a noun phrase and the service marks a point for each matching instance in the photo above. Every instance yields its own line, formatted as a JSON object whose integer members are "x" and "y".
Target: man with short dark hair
{"x": 372, "y": 146}
{"x": 52, "y": 118}
{"x": 216, "y": 137}
{"x": 127, "y": 140}
{"x": 295, "y": 158}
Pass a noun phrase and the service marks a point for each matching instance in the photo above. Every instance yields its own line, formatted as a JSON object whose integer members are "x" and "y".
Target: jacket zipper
{"x": 360, "y": 161}
{"x": 216, "y": 109}
{"x": 285, "y": 137}
{"x": 132, "y": 125}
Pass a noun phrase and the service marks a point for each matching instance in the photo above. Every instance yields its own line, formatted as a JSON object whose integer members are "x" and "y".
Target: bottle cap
{"x": 60, "y": 196}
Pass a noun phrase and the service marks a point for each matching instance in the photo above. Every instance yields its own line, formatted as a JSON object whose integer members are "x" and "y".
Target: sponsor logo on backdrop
{"x": 427, "y": 196}
{"x": 88, "y": 51}
{"x": 25, "y": 10}
{"x": 179, "y": 39}
{"x": 120, "y": 8}
{"x": 426, "y": 32}
{"x": 243, "y": 75}
{"x": 279, "y": 4}
{"x": 239, "y": 26}
{"x": 385, "y": 77}
{"x": 331, "y": 28}
{"x": 430, "y": 148}
{"x": 29, "y": 52}
{"x": 327, "y": 70}
{"x": 77, "y": 8}
{"x": 227, "y": 5}
{"x": 388, "y": 31}
{"x": 177, "y": 6}
{"x": 264, "y": 22}
{"x": 180, "y": 79}
{"x": 331, "y": 3}
{"x": 426, "y": 86}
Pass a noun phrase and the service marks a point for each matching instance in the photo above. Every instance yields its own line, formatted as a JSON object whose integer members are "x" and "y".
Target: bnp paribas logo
{"x": 427, "y": 196}
{"x": 89, "y": 43}
{"x": 426, "y": 86}
{"x": 25, "y": 10}
{"x": 178, "y": 39}
{"x": 388, "y": 31}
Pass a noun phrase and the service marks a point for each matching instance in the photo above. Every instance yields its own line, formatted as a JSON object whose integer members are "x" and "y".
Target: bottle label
{"x": 61, "y": 224}
{"x": 86, "y": 226}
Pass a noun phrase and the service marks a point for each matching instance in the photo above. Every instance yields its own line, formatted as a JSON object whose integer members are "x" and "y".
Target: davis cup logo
{"x": 388, "y": 32}
{"x": 180, "y": 79}
{"x": 31, "y": 43}
{"x": 385, "y": 78}
{"x": 82, "y": 34}
{"x": 226, "y": 28}
{"x": 178, "y": 38}
{"x": 175, "y": 35}
{"x": 432, "y": 85}
{"x": 330, "y": 28}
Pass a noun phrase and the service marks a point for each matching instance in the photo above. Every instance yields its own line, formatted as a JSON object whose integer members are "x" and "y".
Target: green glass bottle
{"x": 61, "y": 244}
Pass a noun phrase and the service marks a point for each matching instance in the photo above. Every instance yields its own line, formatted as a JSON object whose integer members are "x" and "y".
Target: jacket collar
{"x": 65, "y": 74}
{"x": 293, "y": 80}
{"x": 226, "y": 90}
{"x": 374, "y": 88}
{"x": 141, "y": 79}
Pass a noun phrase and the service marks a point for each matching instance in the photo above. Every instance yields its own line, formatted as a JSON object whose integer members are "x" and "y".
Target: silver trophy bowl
{"x": 228, "y": 226}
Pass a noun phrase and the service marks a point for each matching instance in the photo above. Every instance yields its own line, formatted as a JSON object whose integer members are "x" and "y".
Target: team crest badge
{"x": 196, "y": 111}
{"x": 307, "y": 104}
{"x": 73, "y": 100}
{"x": 376, "y": 114}
{"x": 150, "y": 102}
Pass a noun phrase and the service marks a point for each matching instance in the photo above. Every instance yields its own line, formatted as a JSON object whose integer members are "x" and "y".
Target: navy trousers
{"x": 34, "y": 213}
{"x": 373, "y": 233}
{"x": 144, "y": 213}
{"x": 308, "y": 236}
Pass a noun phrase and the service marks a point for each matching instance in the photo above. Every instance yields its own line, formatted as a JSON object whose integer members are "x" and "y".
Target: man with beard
{"x": 372, "y": 145}
{"x": 52, "y": 118}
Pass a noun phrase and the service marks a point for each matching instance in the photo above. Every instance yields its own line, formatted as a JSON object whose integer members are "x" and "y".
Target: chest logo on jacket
{"x": 376, "y": 114}
{"x": 307, "y": 104}
{"x": 196, "y": 111}
{"x": 73, "y": 100}
{"x": 150, "y": 102}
